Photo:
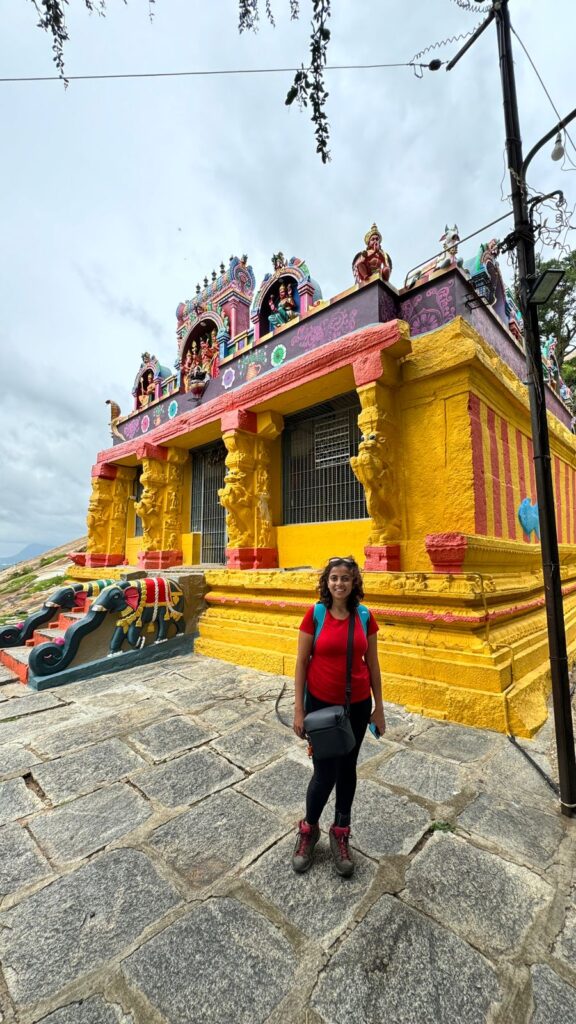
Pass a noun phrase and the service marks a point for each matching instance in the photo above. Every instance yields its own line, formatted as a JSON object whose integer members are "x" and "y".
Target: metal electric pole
{"x": 524, "y": 244}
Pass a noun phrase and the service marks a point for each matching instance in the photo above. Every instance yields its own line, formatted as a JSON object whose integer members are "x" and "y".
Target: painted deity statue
{"x": 146, "y": 389}
{"x": 284, "y": 308}
{"x": 372, "y": 259}
{"x": 448, "y": 258}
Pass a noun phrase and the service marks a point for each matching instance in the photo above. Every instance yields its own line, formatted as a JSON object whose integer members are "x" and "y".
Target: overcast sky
{"x": 118, "y": 196}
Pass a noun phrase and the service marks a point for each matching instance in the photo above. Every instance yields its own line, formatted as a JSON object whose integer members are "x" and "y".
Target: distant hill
{"x": 30, "y": 551}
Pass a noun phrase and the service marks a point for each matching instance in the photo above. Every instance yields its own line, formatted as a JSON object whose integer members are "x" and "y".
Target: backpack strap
{"x": 319, "y": 619}
{"x": 364, "y": 616}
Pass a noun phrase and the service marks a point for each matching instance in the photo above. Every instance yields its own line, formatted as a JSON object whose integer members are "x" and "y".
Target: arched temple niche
{"x": 283, "y": 295}
{"x": 148, "y": 382}
{"x": 200, "y": 349}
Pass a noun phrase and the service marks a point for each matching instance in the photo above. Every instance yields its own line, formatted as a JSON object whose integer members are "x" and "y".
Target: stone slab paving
{"x": 554, "y": 1000}
{"x": 79, "y": 828}
{"x": 532, "y": 835}
{"x": 77, "y": 773}
{"x": 89, "y": 1011}
{"x": 16, "y": 801}
{"x": 80, "y": 921}
{"x": 21, "y": 862}
{"x": 216, "y": 836}
{"x": 187, "y": 779}
{"x": 281, "y": 787}
{"x": 399, "y": 967}
{"x": 31, "y": 706}
{"x": 223, "y": 962}
{"x": 320, "y": 903}
{"x": 145, "y": 865}
{"x": 430, "y": 777}
{"x": 173, "y": 736}
{"x": 489, "y": 901}
{"x": 254, "y": 745}
{"x": 456, "y": 742}
{"x": 385, "y": 824}
{"x": 15, "y": 758}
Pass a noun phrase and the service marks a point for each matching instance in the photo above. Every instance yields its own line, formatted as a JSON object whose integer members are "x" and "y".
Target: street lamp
{"x": 545, "y": 286}
{"x": 531, "y": 287}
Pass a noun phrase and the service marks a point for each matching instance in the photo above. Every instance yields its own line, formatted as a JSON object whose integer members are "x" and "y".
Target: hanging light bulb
{"x": 558, "y": 151}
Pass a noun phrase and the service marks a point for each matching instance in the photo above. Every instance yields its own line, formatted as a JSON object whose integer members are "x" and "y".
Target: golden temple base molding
{"x": 464, "y": 654}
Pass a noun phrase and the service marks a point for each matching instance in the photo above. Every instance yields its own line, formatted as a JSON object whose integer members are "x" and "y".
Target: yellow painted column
{"x": 377, "y": 468}
{"x": 107, "y": 513}
{"x": 246, "y": 494}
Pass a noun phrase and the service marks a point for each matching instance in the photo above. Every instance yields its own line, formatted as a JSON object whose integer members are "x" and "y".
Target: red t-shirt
{"x": 326, "y": 675}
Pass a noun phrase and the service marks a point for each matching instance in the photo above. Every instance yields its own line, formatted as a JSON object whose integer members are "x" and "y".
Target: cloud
{"x": 122, "y": 307}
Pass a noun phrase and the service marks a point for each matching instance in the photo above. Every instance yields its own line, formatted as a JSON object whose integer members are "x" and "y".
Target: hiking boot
{"x": 339, "y": 839}
{"x": 308, "y": 836}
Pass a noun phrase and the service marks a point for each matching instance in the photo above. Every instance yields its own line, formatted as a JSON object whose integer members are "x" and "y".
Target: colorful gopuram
{"x": 387, "y": 422}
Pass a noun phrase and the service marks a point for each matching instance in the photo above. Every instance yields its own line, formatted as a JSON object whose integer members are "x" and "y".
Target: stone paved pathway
{"x": 146, "y": 826}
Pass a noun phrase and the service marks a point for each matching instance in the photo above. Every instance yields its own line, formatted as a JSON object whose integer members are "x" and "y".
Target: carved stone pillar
{"x": 376, "y": 467}
{"x": 160, "y": 506}
{"x": 106, "y": 518}
{"x": 246, "y": 491}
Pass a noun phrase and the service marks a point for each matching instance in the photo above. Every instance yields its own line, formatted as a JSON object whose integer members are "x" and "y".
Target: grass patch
{"x": 48, "y": 559}
{"x": 16, "y": 581}
{"x": 442, "y": 826}
{"x": 53, "y": 581}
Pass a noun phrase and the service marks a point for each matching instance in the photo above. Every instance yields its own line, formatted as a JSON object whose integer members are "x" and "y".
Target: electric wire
{"x": 199, "y": 74}
{"x": 551, "y": 101}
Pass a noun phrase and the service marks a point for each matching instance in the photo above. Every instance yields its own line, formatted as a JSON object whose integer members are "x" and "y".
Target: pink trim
{"x": 480, "y": 514}
{"x": 252, "y": 558}
{"x": 308, "y": 367}
{"x": 382, "y": 559}
{"x": 509, "y": 490}
{"x": 101, "y": 561}
{"x": 146, "y": 450}
{"x": 239, "y": 419}
{"x": 495, "y": 471}
{"x": 521, "y": 476}
{"x": 401, "y": 613}
{"x": 159, "y": 559}
{"x": 104, "y": 471}
{"x": 446, "y": 551}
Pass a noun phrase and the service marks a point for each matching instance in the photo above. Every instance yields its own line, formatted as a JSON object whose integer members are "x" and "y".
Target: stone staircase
{"x": 15, "y": 659}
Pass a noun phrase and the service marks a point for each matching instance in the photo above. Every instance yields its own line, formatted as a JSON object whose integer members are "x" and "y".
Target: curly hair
{"x": 357, "y": 592}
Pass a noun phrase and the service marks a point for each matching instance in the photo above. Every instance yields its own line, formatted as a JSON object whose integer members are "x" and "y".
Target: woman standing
{"x": 320, "y": 682}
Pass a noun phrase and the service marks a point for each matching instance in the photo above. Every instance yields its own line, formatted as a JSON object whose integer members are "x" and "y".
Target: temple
{"x": 389, "y": 422}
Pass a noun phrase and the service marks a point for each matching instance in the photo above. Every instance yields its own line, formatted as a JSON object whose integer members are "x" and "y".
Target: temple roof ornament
{"x": 372, "y": 259}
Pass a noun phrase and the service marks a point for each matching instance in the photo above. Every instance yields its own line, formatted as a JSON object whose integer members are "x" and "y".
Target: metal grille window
{"x": 318, "y": 483}
{"x": 208, "y": 517}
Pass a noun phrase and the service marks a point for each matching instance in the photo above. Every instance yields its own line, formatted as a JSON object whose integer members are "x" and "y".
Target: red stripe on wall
{"x": 521, "y": 473}
{"x": 510, "y": 511}
{"x": 573, "y": 517}
{"x": 495, "y": 470}
{"x": 567, "y": 472}
{"x": 533, "y": 495}
{"x": 558, "y": 497}
{"x": 480, "y": 513}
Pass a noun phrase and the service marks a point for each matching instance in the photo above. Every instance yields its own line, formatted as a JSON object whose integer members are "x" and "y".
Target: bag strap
{"x": 349, "y": 654}
{"x": 319, "y": 618}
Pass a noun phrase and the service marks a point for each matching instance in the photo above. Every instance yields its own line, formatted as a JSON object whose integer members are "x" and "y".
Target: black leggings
{"x": 336, "y": 771}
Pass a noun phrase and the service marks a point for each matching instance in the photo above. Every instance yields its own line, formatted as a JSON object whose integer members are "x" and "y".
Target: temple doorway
{"x": 208, "y": 516}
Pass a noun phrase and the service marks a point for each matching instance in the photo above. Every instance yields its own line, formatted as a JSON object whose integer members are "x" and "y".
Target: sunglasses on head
{"x": 349, "y": 561}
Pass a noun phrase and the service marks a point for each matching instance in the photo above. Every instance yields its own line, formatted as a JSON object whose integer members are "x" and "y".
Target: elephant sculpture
{"x": 144, "y": 605}
{"x": 150, "y": 604}
{"x": 71, "y": 597}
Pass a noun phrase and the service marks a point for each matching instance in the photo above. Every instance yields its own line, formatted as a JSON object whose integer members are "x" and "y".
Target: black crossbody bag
{"x": 329, "y": 730}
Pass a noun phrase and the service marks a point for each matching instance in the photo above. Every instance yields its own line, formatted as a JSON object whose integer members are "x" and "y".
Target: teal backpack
{"x": 320, "y": 617}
